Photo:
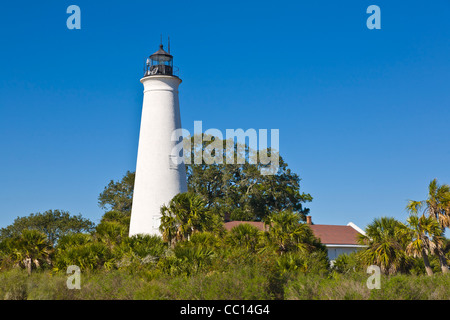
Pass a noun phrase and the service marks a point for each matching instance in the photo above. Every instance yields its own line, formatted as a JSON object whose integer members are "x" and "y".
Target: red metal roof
{"x": 328, "y": 234}
{"x": 331, "y": 234}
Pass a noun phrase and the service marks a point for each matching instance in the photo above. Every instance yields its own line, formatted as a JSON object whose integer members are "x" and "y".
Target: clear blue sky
{"x": 363, "y": 114}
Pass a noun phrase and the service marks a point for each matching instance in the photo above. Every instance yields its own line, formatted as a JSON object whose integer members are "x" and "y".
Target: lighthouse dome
{"x": 161, "y": 55}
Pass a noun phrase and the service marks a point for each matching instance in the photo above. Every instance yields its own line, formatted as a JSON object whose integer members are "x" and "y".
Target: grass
{"x": 237, "y": 283}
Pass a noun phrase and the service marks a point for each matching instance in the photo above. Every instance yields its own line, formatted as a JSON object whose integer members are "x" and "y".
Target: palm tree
{"x": 185, "y": 214}
{"x": 385, "y": 249}
{"x": 424, "y": 236}
{"x": 437, "y": 206}
{"x": 31, "y": 248}
{"x": 244, "y": 235}
{"x": 287, "y": 233}
{"x": 168, "y": 226}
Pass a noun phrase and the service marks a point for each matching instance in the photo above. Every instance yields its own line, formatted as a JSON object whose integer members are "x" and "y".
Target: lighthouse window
{"x": 159, "y": 62}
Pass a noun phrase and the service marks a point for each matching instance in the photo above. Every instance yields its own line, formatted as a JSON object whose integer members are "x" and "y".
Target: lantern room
{"x": 159, "y": 63}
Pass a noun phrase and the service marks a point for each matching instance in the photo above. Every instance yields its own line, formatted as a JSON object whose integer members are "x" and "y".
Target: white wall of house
{"x": 335, "y": 250}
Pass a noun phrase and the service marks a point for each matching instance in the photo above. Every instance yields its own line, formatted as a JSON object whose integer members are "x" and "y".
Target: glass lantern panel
{"x": 161, "y": 57}
{"x": 159, "y": 62}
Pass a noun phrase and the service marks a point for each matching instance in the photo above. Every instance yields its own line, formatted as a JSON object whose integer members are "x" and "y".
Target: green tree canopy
{"x": 118, "y": 195}
{"x": 234, "y": 191}
{"x": 241, "y": 191}
{"x": 53, "y": 223}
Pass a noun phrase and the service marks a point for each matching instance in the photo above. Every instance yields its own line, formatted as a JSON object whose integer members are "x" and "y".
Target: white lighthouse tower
{"x": 158, "y": 178}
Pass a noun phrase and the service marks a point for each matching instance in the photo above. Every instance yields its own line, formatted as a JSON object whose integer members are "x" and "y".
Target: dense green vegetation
{"x": 242, "y": 283}
{"x": 201, "y": 260}
{"x": 196, "y": 258}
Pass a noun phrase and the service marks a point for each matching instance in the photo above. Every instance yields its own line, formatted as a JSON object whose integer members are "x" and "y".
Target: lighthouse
{"x": 158, "y": 177}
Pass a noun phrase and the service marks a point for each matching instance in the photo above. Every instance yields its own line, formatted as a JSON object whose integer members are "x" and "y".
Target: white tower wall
{"x": 158, "y": 179}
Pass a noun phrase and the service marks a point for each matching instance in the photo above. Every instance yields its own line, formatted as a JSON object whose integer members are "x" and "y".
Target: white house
{"x": 338, "y": 239}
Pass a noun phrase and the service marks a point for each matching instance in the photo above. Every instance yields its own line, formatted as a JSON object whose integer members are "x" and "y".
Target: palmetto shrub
{"x": 244, "y": 236}
{"x": 348, "y": 263}
{"x": 88, "y": 256}
{"x": 298, "y": 262}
